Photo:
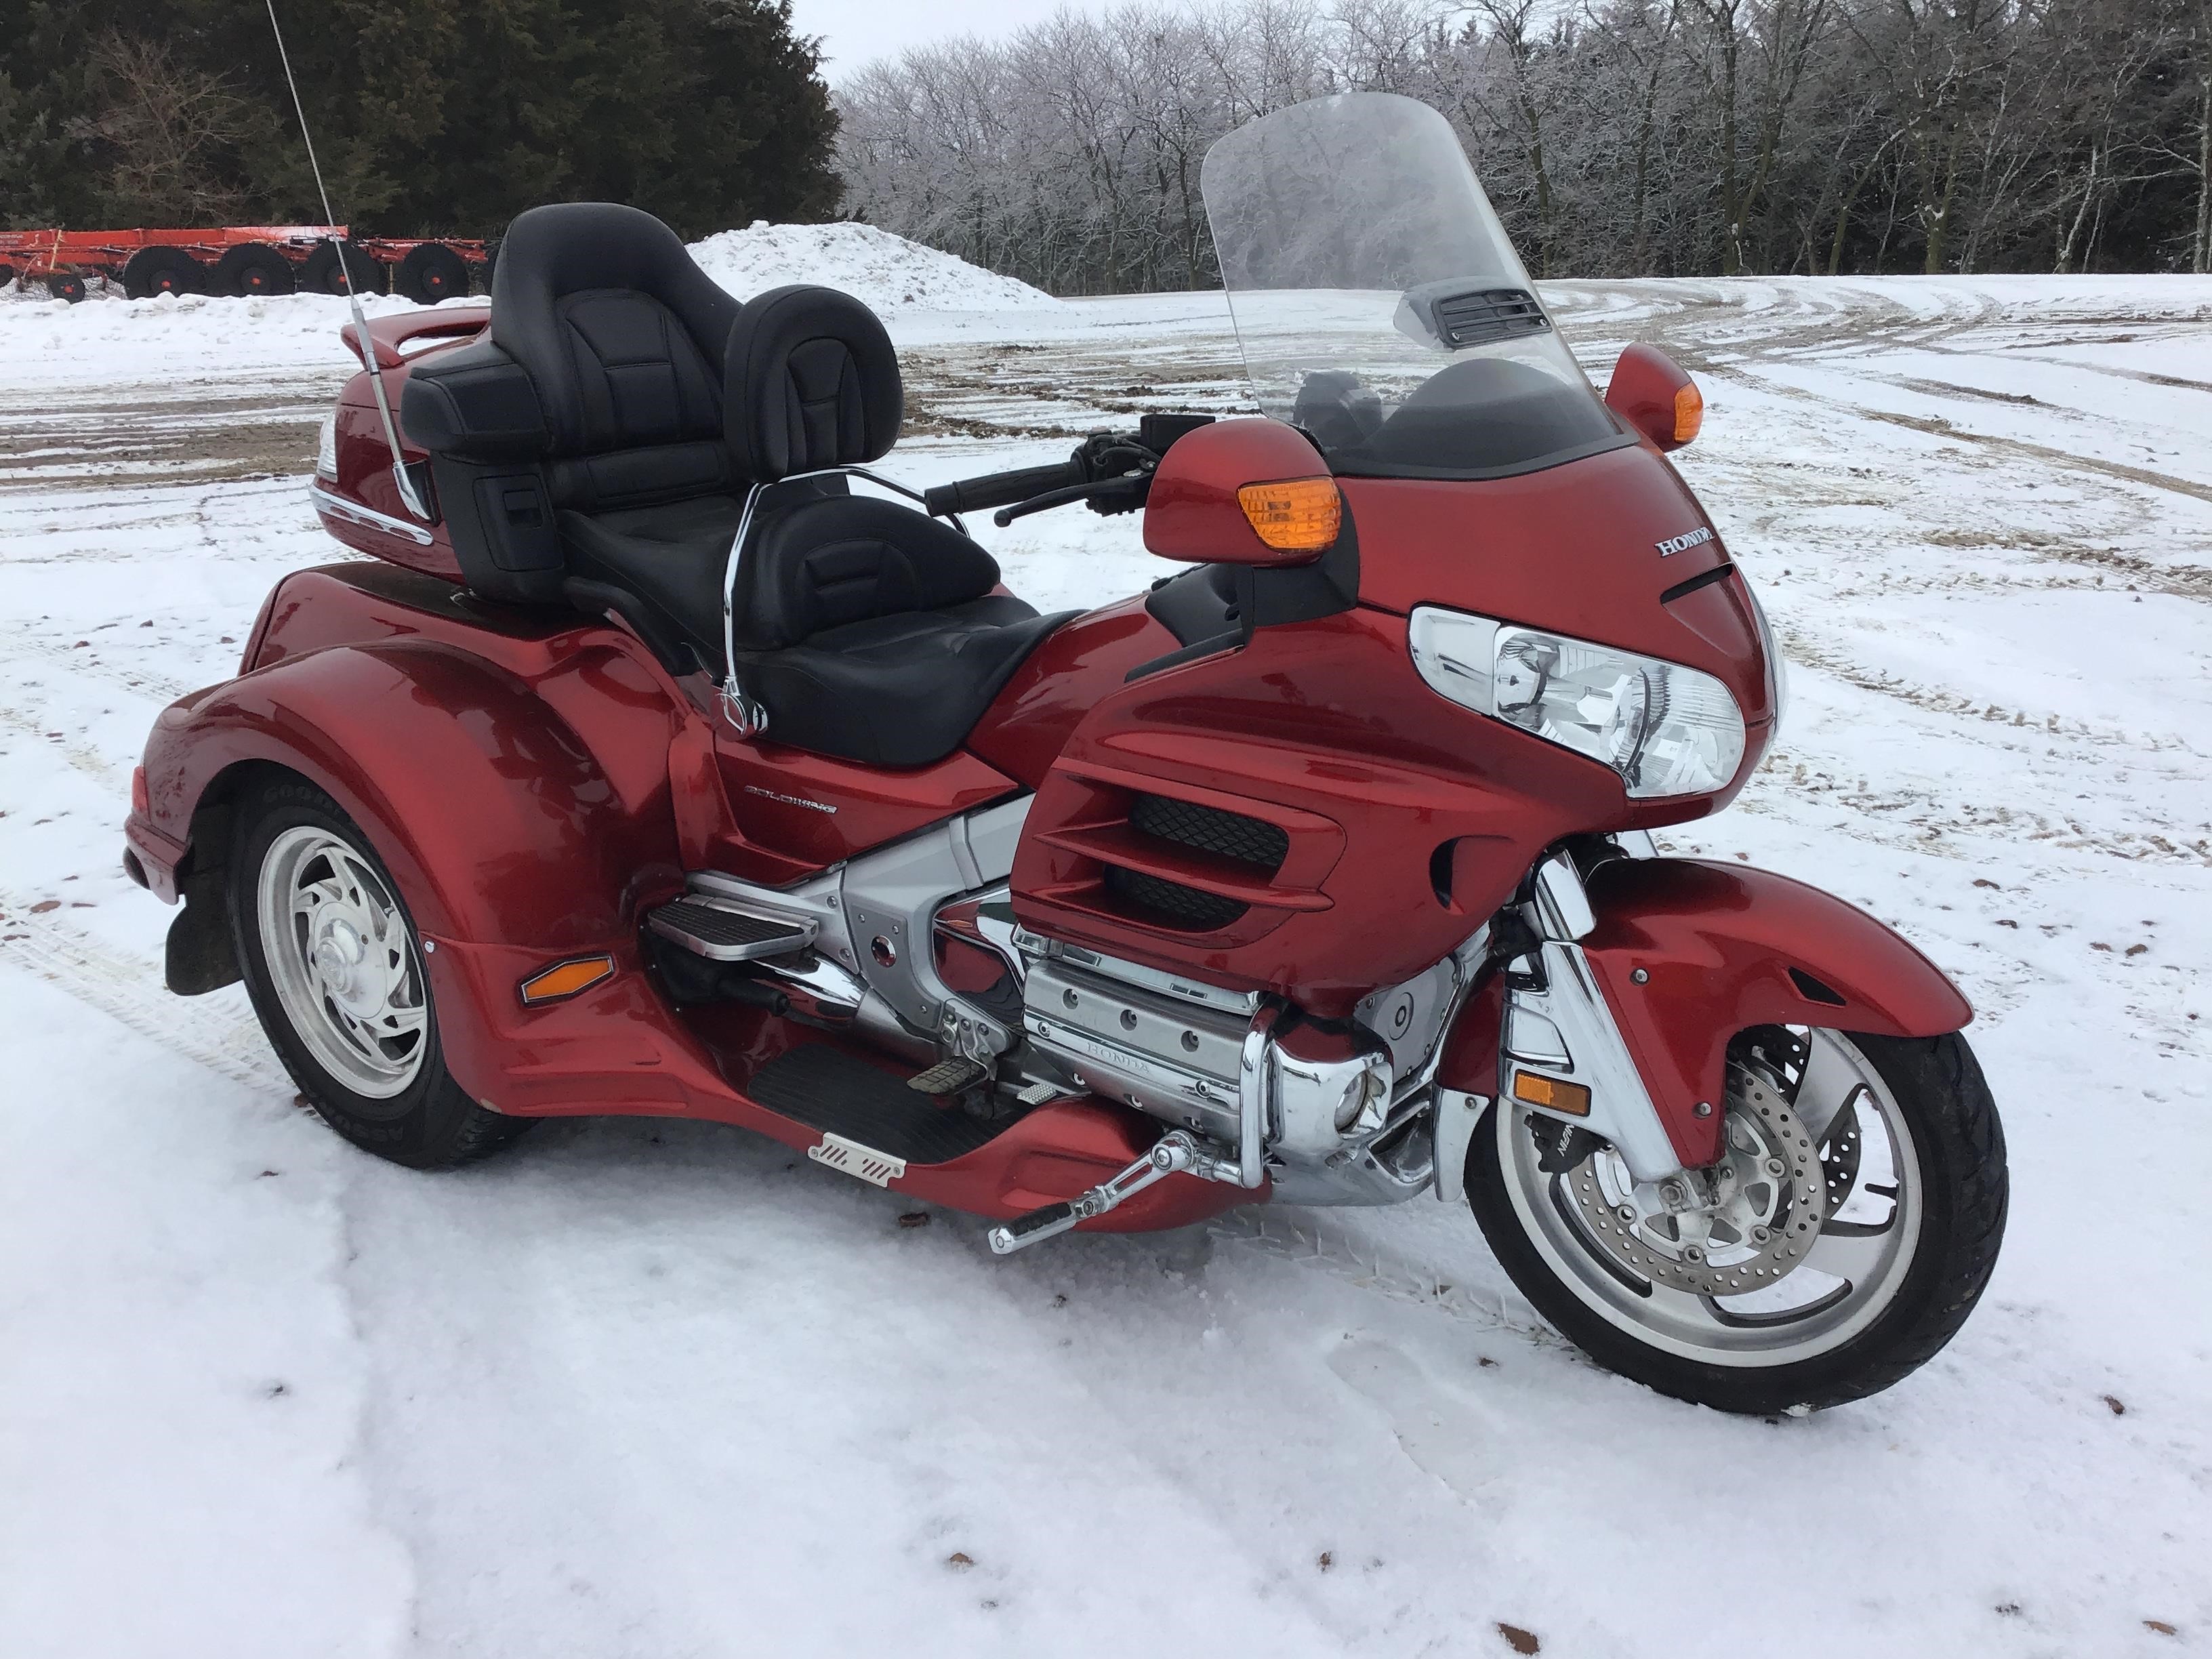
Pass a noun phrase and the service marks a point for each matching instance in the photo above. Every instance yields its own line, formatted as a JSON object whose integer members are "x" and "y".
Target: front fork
{"x": 1560, "y": 1051}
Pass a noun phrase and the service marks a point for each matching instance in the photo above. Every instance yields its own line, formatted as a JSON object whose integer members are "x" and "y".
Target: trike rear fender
{"x": 501, "y": 822}
{"x": 1724, "y": 948}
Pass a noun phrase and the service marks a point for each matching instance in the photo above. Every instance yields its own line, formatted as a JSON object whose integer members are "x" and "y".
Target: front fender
{"x": 1724, "y": 948}
{"x": 501, "y": 823}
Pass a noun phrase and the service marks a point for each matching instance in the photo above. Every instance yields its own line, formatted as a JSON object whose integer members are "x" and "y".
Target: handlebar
{"x": 1112, "y": 471}
{"x": 1003, "y": 488}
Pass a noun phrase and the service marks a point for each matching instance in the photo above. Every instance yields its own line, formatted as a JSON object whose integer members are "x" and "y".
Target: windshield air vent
{"x": 1466, "y": 319}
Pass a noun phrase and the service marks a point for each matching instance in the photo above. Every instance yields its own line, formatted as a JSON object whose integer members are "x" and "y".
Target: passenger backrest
{"x": 623, "y": 337}
{"x": 810, "y": 381}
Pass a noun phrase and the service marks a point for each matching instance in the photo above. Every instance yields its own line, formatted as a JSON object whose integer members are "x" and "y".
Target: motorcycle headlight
{"x": 327, "y": 448}
{"x": 1667, "y": 730}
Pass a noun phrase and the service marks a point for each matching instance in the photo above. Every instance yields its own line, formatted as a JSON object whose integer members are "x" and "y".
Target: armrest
{"x": 475, "y": 402}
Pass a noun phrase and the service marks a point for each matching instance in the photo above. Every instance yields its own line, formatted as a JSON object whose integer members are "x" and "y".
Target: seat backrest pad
{"x": 840, "y": 559}
{"x": 810, "y": 381}
{"x": 622, "y": 337}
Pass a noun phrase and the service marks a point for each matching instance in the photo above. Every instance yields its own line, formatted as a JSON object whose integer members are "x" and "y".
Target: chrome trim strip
{"x": 1562, "y": 907}
{"x": 1457, "y": 1114}
{"x": 1253, "y": 1076}
{"x": 368, "y": 517}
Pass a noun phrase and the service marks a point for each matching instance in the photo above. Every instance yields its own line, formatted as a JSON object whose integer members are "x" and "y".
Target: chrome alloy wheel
{"x": 1791, "y": 1245}
{"x": 343, "y": 961}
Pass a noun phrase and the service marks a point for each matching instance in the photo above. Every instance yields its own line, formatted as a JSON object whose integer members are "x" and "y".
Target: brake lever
{"x": 1052, "y": 498}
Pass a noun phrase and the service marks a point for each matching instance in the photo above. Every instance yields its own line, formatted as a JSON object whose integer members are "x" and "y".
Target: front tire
{"x": 1888, "y": 1236}
{"x": 334, "y": 967}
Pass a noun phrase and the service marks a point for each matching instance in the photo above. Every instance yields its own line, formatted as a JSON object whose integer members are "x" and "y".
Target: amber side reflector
{"x": 1298, "y": 515}
{"x": 565, "y": 979}
{"x": 1689, "y": 413}
{"x": 1551, "y": 1094}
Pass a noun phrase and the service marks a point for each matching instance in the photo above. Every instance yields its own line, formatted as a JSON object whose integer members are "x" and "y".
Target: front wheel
{"x": 1841, "y": 1241}
{"x": 335, "y": 968}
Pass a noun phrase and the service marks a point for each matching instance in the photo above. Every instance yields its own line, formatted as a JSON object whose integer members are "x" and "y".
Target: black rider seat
{"x": 868, "y": 630}
{"x": 626, "y": 392}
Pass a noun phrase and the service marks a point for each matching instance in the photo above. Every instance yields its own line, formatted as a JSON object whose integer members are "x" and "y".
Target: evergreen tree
{"x": 429, "y": 119}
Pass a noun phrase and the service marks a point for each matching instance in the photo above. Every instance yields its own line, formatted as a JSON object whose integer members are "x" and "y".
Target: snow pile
{"x": 886, "y": 272}
{"x": 110, "y": 338}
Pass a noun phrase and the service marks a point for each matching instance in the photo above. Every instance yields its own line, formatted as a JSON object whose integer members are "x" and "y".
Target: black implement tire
{"x": 153, "y": 270}
{"x": 318, "y": 273}
{"x": 251, "y": 269}
{"x": 1960, "y": 1155}
{"x": 6, "y": 274}
{"x": 431, "y": 272}
{"x": 415, "y": 1113}
{"x": 66, "y": 285}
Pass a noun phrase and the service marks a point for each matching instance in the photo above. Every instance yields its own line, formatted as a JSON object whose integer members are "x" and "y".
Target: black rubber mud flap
{"x": 202, "y": 956}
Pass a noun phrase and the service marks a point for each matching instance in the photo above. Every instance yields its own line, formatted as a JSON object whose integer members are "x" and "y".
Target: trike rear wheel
{"x": 335, "y": 971}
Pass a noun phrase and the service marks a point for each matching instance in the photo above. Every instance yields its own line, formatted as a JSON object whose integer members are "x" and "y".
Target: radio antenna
{"x": 400, "y": 475}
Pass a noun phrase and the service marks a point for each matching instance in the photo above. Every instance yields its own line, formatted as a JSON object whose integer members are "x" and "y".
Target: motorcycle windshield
{"x": 1379, "y": 302}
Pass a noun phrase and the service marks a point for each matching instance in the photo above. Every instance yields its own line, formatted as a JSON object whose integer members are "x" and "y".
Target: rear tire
{"x": 156, "y": 271}
{"x": 251, "y": 270}
{"x": 431, "y": 272}
{"x": 307, "y": 891}
{"x": 319, "y": 273}
{"x": 1957, "y": 1160}
{"x": 66, "y": 285}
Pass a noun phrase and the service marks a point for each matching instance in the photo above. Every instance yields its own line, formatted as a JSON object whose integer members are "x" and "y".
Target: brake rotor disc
{"x": 1770, "y": 1199}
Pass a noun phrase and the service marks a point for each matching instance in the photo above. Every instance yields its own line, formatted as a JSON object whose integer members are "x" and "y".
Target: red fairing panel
{"x": 796, "y": 813}
{"x": 1030, "y": 721}
{"x": 1719, "y": 942}
{"x": 1409, "y": 819}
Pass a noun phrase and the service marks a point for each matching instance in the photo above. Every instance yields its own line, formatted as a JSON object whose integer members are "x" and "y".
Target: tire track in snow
{"x": 1299, "y": 1238}
{"x": 82, "y": 757}
{"x": 128, "y": 988}
{"x": 144, "y": 682}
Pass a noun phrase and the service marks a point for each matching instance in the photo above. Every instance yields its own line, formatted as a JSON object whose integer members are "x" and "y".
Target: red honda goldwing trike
{"x": 668, "y": 761}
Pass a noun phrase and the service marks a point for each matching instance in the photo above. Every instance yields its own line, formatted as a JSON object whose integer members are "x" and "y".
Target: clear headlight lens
{"x": 327, "y": 448}
{"x": 1667, "y": 730}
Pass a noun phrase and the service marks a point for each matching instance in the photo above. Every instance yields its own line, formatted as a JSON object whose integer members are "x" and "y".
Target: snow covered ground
{"x": 659, "y": 1389}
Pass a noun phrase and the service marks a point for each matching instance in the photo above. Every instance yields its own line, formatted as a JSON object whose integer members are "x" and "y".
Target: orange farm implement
{"x": 240, "y": 260}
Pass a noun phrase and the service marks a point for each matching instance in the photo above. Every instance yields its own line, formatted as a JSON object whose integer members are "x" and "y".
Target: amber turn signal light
{"x": 566, "y": 979}
{"x": 1689, "y": 413}
{"x": 1551, "y": 1094}
{"x": 1297, "y": 515}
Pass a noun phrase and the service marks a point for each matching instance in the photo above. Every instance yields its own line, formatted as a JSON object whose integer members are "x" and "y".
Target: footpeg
{"x": 1175, "y": 1153}
{"x": 948, "y": 1077}
{"x": 720, "y": 931}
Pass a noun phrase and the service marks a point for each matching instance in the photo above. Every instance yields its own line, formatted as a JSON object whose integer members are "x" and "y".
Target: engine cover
{"x": 1174, "y": 1059}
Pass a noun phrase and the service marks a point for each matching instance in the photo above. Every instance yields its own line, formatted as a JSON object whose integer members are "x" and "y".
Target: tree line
{"x": 430, "y": 118}
{"x": 1616, "y": 138}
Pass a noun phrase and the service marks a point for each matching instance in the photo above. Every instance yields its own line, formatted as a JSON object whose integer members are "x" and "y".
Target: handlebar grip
{"x": 1002, "y": 489}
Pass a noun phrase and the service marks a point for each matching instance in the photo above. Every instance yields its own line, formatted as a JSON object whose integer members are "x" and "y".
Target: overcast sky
{"x": 856, "y": 31}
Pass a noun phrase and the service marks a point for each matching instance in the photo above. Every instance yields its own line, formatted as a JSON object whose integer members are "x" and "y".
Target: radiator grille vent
{"x": 1209, "y": 829}
{"x": 1170, "y": 904}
